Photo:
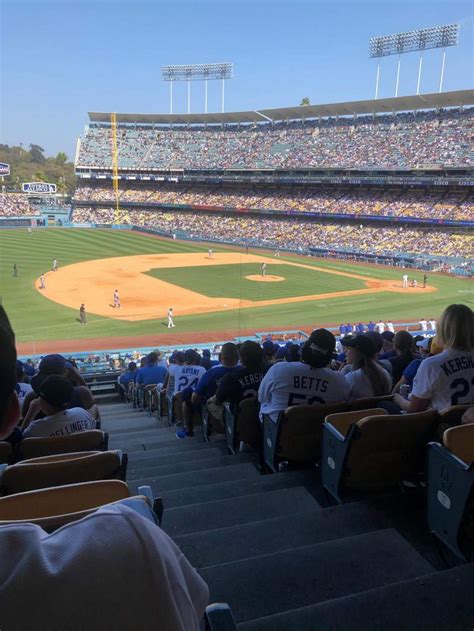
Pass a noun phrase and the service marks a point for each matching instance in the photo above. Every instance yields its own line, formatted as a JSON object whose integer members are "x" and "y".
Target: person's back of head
{"x": 403, "y": 342}
{"x": 377, "y": 340}
{"x": 20, "y": 371}
{"x": 251, "y": 355}
{"x": 229, "y": 355}
{"x": 319, "y": 348}
{"x": 132, "y": 367}
{"x": 152, "y": 358}
{"x": 456, "y": 328}
{"x": 191, "y": 357}
{"x": 55, "y": 394}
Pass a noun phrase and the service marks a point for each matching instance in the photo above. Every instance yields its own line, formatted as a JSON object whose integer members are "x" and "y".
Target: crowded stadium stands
{"x": 287, "y": 544}
{"x": 392, "y": 203}
{"x": 16, "y": 205}
{"x": 400, "y": 140}
{"x": 292, "y": 234}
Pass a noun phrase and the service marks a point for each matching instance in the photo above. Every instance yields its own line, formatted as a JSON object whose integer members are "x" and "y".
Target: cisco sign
{"x": 38, "y": 187}
{"x": 4, "y": 168}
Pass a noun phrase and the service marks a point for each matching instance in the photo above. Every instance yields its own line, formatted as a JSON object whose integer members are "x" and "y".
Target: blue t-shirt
{"x": 127, "y": 377}
{"x": 151, "y": 374}
{"x": 360, "y": 328}
{"x": 209, "y": 382}
{"x": 411, "y": 370}
{"x": 371, "y": 326}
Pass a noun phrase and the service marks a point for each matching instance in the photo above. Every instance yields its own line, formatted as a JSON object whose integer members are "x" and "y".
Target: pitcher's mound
{"x": 269, "y": 278}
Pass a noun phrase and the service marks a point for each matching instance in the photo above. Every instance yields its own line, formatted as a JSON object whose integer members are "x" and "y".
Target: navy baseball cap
{"x": 52, "y": 364}
{"x": 362, "y": 343}
{"x": 388, "y": 335}
{"x": 206, "y": 352}
{"x": 49, "y": 365}
{"x": 56, "y": 390}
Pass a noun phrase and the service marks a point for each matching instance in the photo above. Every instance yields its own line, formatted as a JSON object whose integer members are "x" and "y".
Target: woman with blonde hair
{"x": 447, "y": 378}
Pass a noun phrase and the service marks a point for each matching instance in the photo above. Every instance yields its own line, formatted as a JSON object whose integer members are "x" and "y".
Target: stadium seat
{"x": 47, "y": 471}
{"x": 369, "y": 402}
{"x": 218, "y": 617}
{"x": 52, "y": 508}
{"x": 296, "y": 436}
{"x": 375, "y": 452}
{"x": 92, "y": 440}
{"x": 242, "y": 424}
{"x": 450, "y": 481}
{"x": 6, "y": 452}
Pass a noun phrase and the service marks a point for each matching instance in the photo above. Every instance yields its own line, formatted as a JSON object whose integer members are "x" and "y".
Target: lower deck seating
{"x": 274, "y": 549}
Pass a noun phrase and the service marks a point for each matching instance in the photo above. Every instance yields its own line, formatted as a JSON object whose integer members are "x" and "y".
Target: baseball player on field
{"x": 264, "y": 269}
{"x": 170, "y": 318}
{"x": 117, "y": 304}
{"x": 209, "y": 253}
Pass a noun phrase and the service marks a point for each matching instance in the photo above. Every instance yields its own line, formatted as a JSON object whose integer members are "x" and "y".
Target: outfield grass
{"x": 229, "y": 281}
{"x": 36, "y": 318}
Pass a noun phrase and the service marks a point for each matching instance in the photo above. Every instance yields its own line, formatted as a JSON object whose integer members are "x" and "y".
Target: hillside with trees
{"x": 31, "y": 165}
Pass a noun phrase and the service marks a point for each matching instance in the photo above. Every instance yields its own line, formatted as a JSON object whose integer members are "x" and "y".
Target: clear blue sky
{"x": 61, "y": 59}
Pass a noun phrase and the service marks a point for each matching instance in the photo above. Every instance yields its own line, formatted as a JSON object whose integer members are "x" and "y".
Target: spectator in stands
{"x": 22, "y": 388}
{"x": 308, "y": 382}
{"x": 207, "y": 386}
{"x": 184, "y": 377}
{"x": 388, "y": 348}
{"x": 54, "y": 400}
{"x": 403, "y": 344}
{"x": 161, "y": 591}
{"x": 206, "y": 359}
{"x": 366, "y": 378}
{"x": 245, "y": 381}
{"x": 127, "y": 377}
{"x": 57, "y": 365}
{"x": 447, "y": 378}
{"x": 152, "y": 372}
{"x": 377, "y": 341}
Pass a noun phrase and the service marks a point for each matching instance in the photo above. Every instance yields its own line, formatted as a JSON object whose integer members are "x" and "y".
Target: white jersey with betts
{"x": 296, "y": 383}
{"x": 446, "y": 379}
{"x": 182, "y": 377}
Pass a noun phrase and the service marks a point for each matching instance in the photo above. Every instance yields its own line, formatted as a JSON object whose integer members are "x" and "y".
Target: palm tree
{"x": 305, "y": 101}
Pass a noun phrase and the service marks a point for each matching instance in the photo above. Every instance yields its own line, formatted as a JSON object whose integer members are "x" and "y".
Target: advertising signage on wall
{"x": 38, "y": 187}
{"x": 4, "y": 169}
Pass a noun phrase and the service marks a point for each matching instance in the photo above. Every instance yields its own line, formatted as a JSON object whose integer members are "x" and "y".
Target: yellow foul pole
{"x": 115, "y": 179}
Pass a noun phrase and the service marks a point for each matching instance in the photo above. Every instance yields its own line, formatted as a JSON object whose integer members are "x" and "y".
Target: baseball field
{"x": 213, "y": 298}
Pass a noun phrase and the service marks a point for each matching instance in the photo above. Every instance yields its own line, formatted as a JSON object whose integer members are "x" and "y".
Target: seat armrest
{"x": 218, "y": 617}
{"x": 343, "y": 420}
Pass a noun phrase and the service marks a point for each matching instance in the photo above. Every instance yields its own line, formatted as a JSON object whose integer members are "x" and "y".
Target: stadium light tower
{"x": 410, "y": 41}
{"x": 197, "y": 72}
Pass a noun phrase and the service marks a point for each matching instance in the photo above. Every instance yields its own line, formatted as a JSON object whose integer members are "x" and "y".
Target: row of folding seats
{"x": 263, "y": 543}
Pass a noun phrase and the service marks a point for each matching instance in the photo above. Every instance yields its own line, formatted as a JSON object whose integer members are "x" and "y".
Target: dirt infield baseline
{"x": 144, "y": 297}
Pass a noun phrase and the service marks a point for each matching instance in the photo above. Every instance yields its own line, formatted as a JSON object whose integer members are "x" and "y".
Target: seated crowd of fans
{"x": 162, "y": 587}
{"x": 292, "y": 234}
{"x": 454, "y": 206}
{"x": 16, "y": 205}
{"x": 398, "y": 140}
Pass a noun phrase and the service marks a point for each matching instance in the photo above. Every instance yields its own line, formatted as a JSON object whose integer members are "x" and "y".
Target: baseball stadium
{"x": 260, "y": 324}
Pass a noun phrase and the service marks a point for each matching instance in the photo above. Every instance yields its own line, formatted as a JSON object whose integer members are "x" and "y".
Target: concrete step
{"x": 273, "y": 583}
{"x": 178, "y": 446}
{"x": 212, "y": 461}
{"x": 441, "y": 601}
{"x": 283, "y": 532}
{"x": 147, "y": 458}
{"x": 150, "y": 439}
{"x": 196, "y": 478}
{"x": 238, "y": 488}
{"x": 221, "y": 513}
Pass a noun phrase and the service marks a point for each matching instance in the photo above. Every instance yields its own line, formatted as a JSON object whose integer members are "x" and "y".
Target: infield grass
{"x": 34, "y": 317}
{"x": 230, "y": 281}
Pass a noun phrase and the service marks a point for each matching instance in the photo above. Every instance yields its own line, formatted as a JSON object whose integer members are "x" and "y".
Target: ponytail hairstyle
{"x": 319, "y": 348}
{"x": 374, "y": 373}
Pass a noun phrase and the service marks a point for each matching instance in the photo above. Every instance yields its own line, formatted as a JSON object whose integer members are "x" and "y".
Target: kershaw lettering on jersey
{"x": 458, "y": 363}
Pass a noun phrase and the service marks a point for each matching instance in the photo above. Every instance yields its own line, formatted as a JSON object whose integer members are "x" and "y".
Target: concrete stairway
{"x": 281, "y": 558}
